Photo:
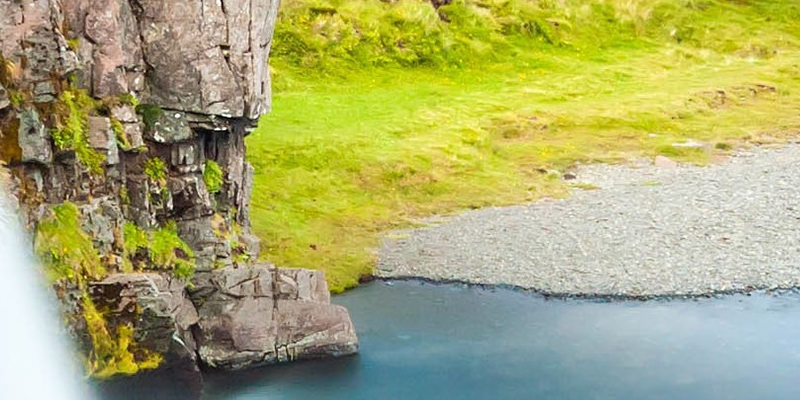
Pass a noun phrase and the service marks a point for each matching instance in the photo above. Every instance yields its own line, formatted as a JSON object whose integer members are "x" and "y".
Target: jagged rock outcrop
{"x": 131, "y": 116}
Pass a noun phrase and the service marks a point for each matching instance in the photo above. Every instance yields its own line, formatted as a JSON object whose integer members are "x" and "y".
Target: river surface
{"x": 425, "y": 341}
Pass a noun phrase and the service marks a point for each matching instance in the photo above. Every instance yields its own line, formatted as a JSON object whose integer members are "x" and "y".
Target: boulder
{"x": 260, "y": 315}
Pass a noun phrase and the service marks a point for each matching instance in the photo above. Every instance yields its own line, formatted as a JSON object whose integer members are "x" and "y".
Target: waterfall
{"x": 36, "y": 361}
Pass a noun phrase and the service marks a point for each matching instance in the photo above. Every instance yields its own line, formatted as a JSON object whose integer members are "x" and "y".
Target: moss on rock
{"x": 65, "y": 249}
{"x": 213, "y": 176}
{"x": 162, "y": 248}
{"x": 72, "y": 113}
{"x": 114, "y": 351}
{"x": 150, "y": 114}
{"x": 156, "y": 170}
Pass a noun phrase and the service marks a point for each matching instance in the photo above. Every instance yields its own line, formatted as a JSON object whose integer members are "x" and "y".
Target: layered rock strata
{"x": 135, "y": 112}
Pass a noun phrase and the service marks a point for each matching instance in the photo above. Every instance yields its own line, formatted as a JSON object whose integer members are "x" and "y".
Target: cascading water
{"x": 34, "y": 358}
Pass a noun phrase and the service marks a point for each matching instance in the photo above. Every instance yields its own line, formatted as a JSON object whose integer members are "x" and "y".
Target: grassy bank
{"x": 384, "y": 112}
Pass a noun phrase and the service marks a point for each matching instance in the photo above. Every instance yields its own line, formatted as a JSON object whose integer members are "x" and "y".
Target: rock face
{"x": 136, "y": 111}
{"x": 162, "y": 315}
{"x": 262, "y": 315}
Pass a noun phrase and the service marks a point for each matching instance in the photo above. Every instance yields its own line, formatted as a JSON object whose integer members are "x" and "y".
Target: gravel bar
{"x": 647, "y": 232}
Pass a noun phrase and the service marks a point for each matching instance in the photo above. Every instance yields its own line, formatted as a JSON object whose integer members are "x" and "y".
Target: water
{"x": 35, "y": 360}
{"x": 422, "y": 341}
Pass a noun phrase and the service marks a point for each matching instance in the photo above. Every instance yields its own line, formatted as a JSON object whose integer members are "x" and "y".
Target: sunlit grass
{"x": 346, "y": 156}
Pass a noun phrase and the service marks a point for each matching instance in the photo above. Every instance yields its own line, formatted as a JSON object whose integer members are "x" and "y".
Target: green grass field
{"x": 384, "y": 113}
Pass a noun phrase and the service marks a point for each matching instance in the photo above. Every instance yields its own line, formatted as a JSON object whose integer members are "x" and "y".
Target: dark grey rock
{"x": 190, "y": 199}
{"x": 133, "y": 131}
{"x": 171, "y": 127}
{"x": 188, "y": 157}
{"x": 33, "y": 138}
{"x": 44, "y": 92}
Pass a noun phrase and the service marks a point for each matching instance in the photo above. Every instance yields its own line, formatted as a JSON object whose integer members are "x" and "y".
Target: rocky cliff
{"x": 123, "y": 125}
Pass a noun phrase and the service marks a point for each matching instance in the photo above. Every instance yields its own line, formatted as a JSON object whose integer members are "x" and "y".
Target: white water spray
{"x": 34, "y": 358}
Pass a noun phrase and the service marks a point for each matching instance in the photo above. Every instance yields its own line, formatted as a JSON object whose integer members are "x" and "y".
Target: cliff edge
{"x": 123, "y": 123}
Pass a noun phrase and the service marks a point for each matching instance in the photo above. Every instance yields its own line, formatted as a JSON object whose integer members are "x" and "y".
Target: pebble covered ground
{"x": 647, "y": 231}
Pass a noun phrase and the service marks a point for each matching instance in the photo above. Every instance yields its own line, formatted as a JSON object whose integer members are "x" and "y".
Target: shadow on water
{"x": 427, "y": 341}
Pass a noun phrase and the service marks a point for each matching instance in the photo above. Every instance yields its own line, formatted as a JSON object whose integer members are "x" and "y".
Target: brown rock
{"x": 103, "y": 139}
{"x": 250, "y": 318}
{"x": 664, "y": 162}
{"x": 133, "y": 132}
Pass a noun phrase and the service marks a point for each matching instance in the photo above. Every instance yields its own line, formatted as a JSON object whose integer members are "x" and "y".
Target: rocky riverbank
{"x": 649, "y": 230}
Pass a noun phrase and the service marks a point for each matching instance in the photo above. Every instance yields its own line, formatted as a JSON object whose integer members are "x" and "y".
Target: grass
{"x": 349, "y": 153}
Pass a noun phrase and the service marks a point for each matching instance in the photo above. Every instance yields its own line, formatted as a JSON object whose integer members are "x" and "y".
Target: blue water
{"x": 424, "y": 341}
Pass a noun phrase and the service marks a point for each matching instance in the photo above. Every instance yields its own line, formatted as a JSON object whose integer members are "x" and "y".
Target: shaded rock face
{"x": 162, "y": 315}
{"x": 198, "y": 71}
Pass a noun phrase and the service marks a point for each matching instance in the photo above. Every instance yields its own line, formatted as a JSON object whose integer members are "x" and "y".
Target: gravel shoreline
{"x": 648, "y": 232}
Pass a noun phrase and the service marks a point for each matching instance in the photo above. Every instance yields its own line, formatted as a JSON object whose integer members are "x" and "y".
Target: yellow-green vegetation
{"x": 163, "y": 247}
{"x": 73, "y": 109}
{"x": 135, "y": 239}
{"x": 9, "y": 72}
{"x": 129, "y": 99}
{"x": 67, "y": 253}
{"x": 119, "y": 132}
{"x": 213, "y": 176}
{"x": 156, "y": 170}
{"x": 65, "y": 249}
{"x": 114, "y": 351}
{"x": 385, "y": 112}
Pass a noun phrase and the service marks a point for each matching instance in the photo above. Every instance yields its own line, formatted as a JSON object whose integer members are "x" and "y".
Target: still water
{"x": 424, "y": 341}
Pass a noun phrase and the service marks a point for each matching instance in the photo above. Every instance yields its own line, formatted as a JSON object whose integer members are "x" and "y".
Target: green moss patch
{"x": 156, "y": 170}
{"x": 160, "y": 249}
{"x": 150, "y": 114}
{"x": 66, "y": 251}
{"x": 213, "y": 176}
{"x": 119, "y": 133}
{"x": 71, "y": 132}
